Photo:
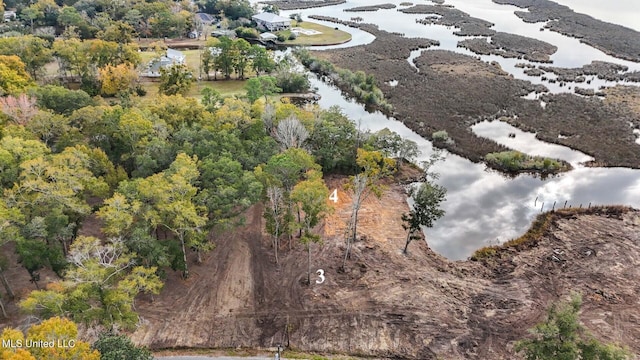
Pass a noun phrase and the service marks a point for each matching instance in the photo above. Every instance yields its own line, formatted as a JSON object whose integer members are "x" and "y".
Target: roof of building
{"x": 174, "y": 54}
{"x": 268, "y": 36}
{"x": 270, "y": 17}
{"x": 205, "y": 17}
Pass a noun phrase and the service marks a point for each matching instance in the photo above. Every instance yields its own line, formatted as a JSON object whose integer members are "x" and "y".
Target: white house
{"x": 172, "y": 57}
{"x": 271, "y": 21}
{"x": 9, "y": 15}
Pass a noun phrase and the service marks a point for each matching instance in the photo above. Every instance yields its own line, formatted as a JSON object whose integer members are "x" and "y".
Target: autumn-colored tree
{"x": 176, "y": 79}
{"x": 61, "y": 332}
{"x": 14, "y": 78}
{"x": 117, "y": 79}
{"x": 17, "y": 351}
{"x": 64, "y": 334}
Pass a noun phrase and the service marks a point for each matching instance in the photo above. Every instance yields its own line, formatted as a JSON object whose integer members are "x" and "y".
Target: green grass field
{"x": 329, "y": 35}
{"x": 225, "y": 87}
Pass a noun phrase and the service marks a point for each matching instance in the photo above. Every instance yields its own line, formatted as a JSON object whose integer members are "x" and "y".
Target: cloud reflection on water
{"x": 484, "y": 207}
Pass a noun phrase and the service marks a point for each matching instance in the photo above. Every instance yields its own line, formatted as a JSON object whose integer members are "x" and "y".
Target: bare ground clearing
{"x": 388, "y": 305}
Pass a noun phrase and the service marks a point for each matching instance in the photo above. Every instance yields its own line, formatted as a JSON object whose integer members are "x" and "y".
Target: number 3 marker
{"x": 320, "y": 273}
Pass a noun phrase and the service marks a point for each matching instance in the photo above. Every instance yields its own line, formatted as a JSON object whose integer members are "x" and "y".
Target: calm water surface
{"x": 484, "y": 207}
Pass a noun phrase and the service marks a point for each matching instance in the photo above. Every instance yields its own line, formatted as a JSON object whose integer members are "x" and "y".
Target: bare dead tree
{"x": 19, "y": 109}
{"x": 269, "y": 118}
{"x": 275, "y": 195}
{"x": 360, "y": 193}
{"x": 290, "y": 133}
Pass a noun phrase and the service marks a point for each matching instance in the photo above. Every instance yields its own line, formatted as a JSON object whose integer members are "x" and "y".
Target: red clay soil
{"x": 388, "y": 305}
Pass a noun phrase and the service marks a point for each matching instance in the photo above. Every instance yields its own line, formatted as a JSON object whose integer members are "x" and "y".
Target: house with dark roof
{"x": 271, "y": 21}
{"x": 205, "y": 19}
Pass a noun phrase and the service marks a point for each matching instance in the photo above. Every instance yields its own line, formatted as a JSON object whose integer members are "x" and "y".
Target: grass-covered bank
{"x": 327, "y": 36}
{"x": 358, "y": 84}
{"x": 541, "y": 226}
{"x": 518, "y": 162}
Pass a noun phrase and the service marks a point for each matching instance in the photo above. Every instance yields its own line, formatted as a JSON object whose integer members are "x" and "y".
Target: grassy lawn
{"x": 329, "y": 35}
{"x": 192, "y": 58}
{"x": 225, "y": 87}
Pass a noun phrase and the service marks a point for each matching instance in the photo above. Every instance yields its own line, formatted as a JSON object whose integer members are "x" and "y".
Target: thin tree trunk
{"x": 309, "y": 264}
{"x": 350, "y": 239}
{"x": 34, "y": 280}
{"x": 185, "y": 272}
{"x": 299, "y": 230}
{"x": 406, "y": 245}
{"x": 4, "y": 312}
{"x": 7, "y": 287}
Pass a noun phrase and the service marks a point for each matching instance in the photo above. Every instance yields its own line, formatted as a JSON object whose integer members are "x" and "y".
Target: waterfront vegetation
{"x": 515, "y": 161}
{"x": 358, "y": 84}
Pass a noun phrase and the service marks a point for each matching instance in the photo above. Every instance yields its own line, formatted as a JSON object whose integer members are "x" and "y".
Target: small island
{"x": 518, "y": 162}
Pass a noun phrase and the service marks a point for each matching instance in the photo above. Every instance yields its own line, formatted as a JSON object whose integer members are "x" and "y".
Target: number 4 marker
{"x": 334, "y": 196}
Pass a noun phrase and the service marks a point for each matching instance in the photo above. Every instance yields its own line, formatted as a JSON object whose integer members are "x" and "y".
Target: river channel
{"x": 484, "y": 207}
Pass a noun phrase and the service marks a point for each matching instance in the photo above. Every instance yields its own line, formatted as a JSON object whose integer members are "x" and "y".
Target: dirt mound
{"x": 386, "y": 304}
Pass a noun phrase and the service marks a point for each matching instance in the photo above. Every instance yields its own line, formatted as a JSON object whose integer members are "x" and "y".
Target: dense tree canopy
{"x": 160, "y": 174}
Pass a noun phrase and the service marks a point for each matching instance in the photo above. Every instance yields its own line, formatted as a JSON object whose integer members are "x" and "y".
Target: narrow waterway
{"x": 483, "y": 206}
{"x": 571, "y": 52}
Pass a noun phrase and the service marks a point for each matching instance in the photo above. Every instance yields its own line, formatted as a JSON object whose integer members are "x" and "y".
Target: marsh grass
{"x": 541, "y": 225}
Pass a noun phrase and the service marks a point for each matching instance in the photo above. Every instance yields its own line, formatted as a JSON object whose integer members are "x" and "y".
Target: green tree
{"x": 166, "y": 200}
{"x": 261, "y": 86}
{"x": 33, "y": 51}
{"x": 227, "y": 189}
{"x": 211, "y": 98}
{"x": 119, "y": 32}
{"x": 261, "y": 59}
{"x": 31, "y": 13}
{"x": 311, "y": 195}
{"x": 234, "y": 9}
{"x": 61, "y": 100}
{"x": 241, "y": 53}
{"x": 176, "y": 79}
{"x": 69, "y": 16}
{"x": 13, "y": 152}
{"x": 334, "y": 141}
{"x": 227, "y": 56}
{"x": 208, "y": 58}
{"x": 425, "y": 211}
{"x": 561, "y": 337}
{"x": 120, "y": 347}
